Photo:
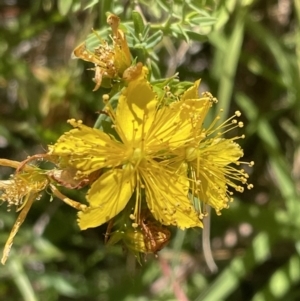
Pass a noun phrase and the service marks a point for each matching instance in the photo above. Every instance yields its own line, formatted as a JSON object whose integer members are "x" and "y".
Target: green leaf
{"x": 229, "y": 279}
{"x": 284, "y": 60}
{"x": 178, "y": 31}
{"x": 64, "y": 6}
{"x": 281, "y": 282}
{"x": 155, "y": 70}
{"x": 138, "y": 23}
{"x": 21, "y": 279}
{"x": 226, "y": 60}
{"x": 278, "y": 161}
{"x": 164, "y": 5}
{"x": 196, "y": 36}
{"x": 203, "y": 21}
{"x": 154, "y": 39}
{"x": 182, "y": 31}
{"x": 91, "y": 4}
{"x": 146, "y": 30}
{"x": 197, "y": 9}
{"x": 225, "y": 12}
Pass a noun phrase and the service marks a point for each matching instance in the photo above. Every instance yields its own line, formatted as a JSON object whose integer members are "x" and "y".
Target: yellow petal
{"x": 136, "y": 109}
{"x": 167, "y": 198}
{"x": 27, "y": 205}
{"x": 192, "y": 92}
{"x": 175, "y": 125}
{"x": 213, "y": 189}
{"x": 224, "y": 152}
{"x": 122, "y": 52}
{"x": 214, "y": 172}
{"x": 107, "y": 197}
{"x": 87, "y": 149}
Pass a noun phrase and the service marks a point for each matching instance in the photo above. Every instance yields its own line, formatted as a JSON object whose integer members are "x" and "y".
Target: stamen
{"x": 105, "y": 98}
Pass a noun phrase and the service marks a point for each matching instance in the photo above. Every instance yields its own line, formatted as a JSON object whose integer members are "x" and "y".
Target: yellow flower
{"x": 110, "y": 62}
{"x": 211, "y": 159}
{"x": 22, "y": 189}
{"x": 213, "y": 173}
{"x": 23, "y": 186}
{"x": 148, "y": 132}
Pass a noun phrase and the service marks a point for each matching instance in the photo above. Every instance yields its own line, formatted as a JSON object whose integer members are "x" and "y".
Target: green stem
{"x": 21, "y": 280}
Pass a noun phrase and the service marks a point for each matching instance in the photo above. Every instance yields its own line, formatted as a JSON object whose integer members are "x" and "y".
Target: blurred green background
{"x": 247, "y": 53}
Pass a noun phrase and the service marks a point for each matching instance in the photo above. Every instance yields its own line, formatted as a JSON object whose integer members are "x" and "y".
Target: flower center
{"x": 137, "y": 156}
{"x": 191, "y": 153}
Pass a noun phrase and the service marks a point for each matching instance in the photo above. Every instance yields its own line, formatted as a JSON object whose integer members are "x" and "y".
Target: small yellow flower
{"x": 213, "y": 173}
{"x": 22, "y": 186}
{"x": 22, "y": 189}
{"x": 211, "y": 159}
{"x": 133, "y": 162}
{"x": 110, "y": 62}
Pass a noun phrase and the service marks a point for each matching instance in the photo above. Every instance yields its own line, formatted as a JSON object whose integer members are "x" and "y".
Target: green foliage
{"x": 247, "y": 53}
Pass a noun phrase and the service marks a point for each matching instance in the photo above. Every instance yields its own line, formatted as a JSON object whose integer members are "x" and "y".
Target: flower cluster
{"x": 158, "y": 164}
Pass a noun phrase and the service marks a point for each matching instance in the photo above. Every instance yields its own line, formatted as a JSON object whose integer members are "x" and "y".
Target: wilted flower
{"x": 147, "y": 237}
{"x": 22, "y": 189}
{"x": 110, "y": 62}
